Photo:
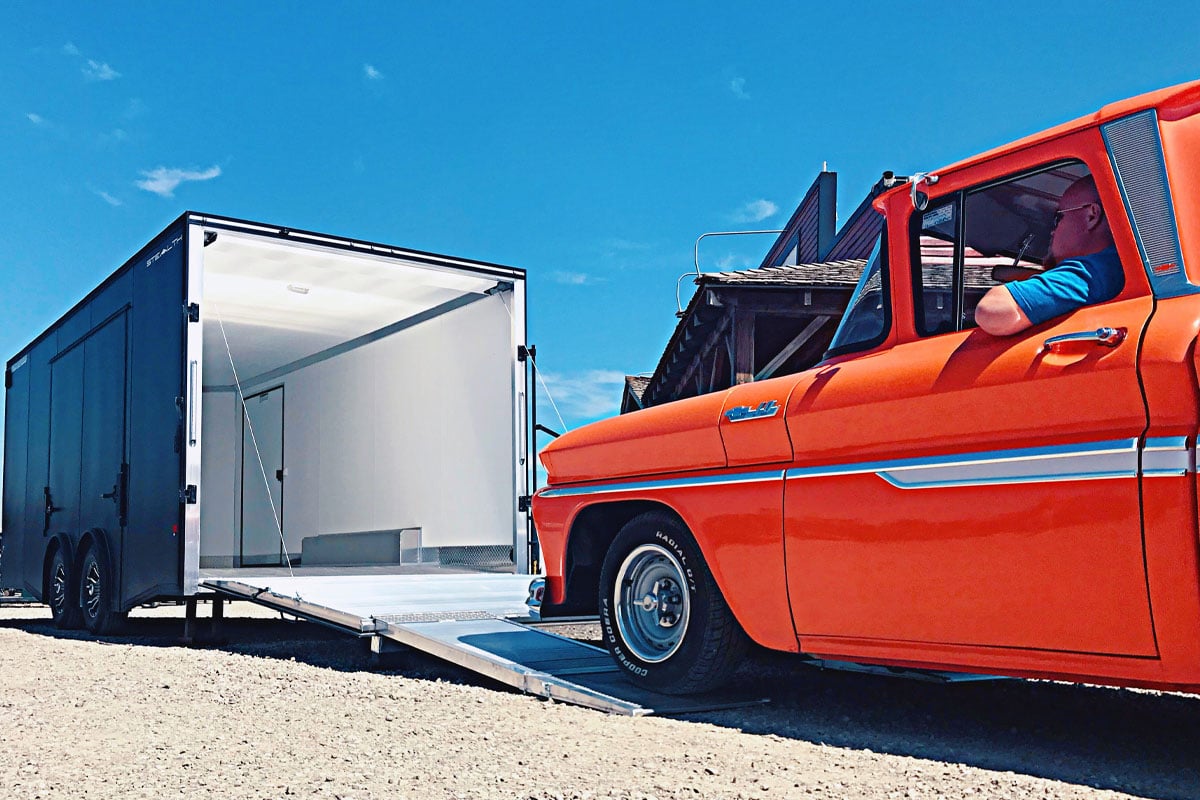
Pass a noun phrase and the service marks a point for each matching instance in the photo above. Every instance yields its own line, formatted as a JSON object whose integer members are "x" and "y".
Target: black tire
{"x": 61, "y": 592}
{"x": 662, "y": 615}
{"x": 96, "y": 595}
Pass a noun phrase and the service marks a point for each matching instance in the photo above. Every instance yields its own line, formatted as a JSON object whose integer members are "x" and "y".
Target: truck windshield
{"x": 866, "y": 319}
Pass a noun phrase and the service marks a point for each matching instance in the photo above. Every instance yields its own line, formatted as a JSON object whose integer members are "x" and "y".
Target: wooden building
{"x": 776, "y": 319}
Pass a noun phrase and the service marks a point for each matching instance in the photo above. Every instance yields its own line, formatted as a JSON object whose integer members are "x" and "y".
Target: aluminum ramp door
{"x": 478, "y": 622}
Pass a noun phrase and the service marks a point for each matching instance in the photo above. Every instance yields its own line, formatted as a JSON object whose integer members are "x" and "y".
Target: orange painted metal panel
{"x": 1181, "y": 148}
{"x": 752, "y": 423}
{"x": 676, "y": 436}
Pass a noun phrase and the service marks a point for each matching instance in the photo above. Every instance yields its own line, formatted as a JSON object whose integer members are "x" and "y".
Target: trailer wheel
{"x": 60, "y": 592}
{"x": 96, "y": 595}
{"x": 662, "y": 615}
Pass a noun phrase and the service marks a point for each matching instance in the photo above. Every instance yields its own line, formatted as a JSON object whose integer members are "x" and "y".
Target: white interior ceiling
{"x": 279, "y": 301}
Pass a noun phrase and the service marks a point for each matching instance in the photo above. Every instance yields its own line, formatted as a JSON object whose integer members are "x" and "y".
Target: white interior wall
{"x": 414, "y": 430}
{"x": 218, "y": 478}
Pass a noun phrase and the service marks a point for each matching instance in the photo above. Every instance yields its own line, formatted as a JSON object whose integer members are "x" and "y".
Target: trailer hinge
{"x": 523, "y": 503}
{"x": 524, "y": 352}
{"x": 7, "y": 378}
{"x": 187, "y": 495}
{"x": 193, "y": 312}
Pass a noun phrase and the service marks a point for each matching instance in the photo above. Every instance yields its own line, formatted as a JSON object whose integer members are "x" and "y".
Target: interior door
{"x": 971, "y": 489}
{"x": 262, "y": 479}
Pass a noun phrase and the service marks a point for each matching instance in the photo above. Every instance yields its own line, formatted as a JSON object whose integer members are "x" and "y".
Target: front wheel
{"x": 663, "y": 618}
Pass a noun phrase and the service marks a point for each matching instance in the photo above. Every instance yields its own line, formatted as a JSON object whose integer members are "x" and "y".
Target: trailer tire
{"x": 662, "y": 615}
{"x": 96, "y": 594}
{"x": 61, "y": 591}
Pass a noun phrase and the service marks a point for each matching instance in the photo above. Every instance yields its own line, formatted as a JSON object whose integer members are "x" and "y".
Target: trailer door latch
{"x": 193, "y": 312}
{"x": 187, "y": 495}
{"x": 523, "y": 503}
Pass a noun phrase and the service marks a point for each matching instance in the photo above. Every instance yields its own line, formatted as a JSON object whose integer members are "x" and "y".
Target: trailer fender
{"x": 100, "y": 539}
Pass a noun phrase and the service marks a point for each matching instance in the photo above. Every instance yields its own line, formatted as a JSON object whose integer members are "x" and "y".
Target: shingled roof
{"x": 824, "y": 273}
{"x": 635, "y": 388}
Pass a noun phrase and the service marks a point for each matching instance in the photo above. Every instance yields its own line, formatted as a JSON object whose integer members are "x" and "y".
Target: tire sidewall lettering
{"x": 615, "y": 644}
{"x": 674, "y": 546}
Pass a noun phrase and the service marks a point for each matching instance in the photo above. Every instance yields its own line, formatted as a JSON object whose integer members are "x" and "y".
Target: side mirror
{"x": 920, "y": 200}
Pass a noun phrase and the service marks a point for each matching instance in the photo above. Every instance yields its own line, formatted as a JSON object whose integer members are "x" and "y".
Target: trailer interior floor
{"x": 478, "y": 621}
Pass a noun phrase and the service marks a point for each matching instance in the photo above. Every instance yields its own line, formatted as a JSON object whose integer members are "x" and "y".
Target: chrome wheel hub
{"x": 91, "y": 590}
{"x": 58, "y": 589}
{"x": 652, "y": 603}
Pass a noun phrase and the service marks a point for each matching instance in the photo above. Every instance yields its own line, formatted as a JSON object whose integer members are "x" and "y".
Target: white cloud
{"x": 571, "y": 278}
{"x": 108, "y": 198}
{"x": 731, "y": 261}
{"x": 36, "y": 119}
{"x": 755, "y": 211}
{"x": 582, "y": 396}
{"x": 372, "y": 73}
{"x": 163, "y": 180}
{"x": 97, "y": 71}
{"x": 738, "y": 87}
{"x": 69, "y": 49}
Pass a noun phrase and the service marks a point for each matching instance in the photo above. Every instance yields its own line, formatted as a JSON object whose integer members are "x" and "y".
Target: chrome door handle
{"x": 1108, "y": 337}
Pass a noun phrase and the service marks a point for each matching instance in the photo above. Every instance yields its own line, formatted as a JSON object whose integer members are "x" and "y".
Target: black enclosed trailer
{"x": 240, "y": 395}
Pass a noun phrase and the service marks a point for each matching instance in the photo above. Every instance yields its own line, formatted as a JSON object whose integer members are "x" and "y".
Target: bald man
{"x": 1082, "y": 268}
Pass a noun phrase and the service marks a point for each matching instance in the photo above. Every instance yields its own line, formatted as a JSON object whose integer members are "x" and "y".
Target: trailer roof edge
{"x": 278, "y": 232}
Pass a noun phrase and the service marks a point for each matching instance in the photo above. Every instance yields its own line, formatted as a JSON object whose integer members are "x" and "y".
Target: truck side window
{"x": 867, "y": 318}
{"x": 934, "y": 234}
{"x": 972, "y": 240}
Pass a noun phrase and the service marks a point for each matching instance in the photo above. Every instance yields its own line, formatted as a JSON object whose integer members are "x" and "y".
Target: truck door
{"x": 960, "y": 488}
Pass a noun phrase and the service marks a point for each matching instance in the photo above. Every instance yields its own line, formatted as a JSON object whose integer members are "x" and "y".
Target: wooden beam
{"x": 743, "y": 345}
{"x": 791, "y": 347}
{"x": 712, "y": 339}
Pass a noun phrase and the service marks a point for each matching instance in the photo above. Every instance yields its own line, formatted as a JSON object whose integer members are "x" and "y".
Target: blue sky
{"x": 589, "y": 143}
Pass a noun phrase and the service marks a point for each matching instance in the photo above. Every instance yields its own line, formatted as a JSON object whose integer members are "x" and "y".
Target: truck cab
{"x": 931, "y": 495}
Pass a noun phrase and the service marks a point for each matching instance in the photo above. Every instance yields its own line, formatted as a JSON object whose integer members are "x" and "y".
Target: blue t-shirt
{"x": 1074, "y": 283}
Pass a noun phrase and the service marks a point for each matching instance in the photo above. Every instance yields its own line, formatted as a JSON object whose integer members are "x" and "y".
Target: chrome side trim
{"x": 1104, "y": 460}
{"x": 998, "y": 458}
{"x": 1136, "y": 154}
{"x": 1169, "y": 456}
{"x": 669, "y": 483}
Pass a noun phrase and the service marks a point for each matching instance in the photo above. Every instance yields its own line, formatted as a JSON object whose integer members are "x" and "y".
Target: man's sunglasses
{"x": 1058, "y": 215}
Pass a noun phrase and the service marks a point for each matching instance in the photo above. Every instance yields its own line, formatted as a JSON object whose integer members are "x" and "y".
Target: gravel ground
{"x": 286, "y": 708}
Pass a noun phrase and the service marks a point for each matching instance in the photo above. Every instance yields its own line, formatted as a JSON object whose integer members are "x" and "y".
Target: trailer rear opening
{"x": 378, "y": 398}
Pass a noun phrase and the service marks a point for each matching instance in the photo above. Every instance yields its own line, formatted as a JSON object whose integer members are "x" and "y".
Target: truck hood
{"x": 674, "y": 437}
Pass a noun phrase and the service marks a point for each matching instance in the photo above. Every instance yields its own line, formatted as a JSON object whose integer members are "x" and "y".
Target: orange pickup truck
{"x": 930, "y": 496}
